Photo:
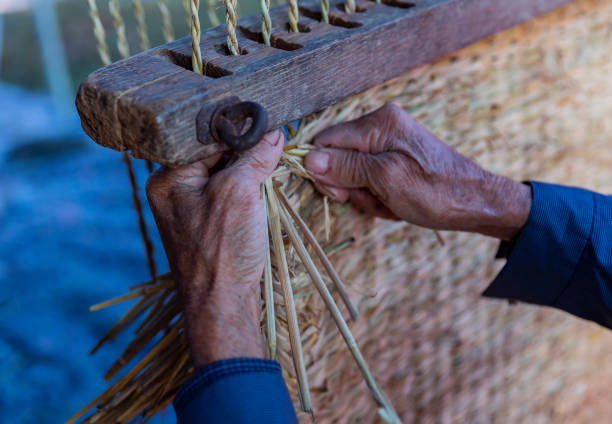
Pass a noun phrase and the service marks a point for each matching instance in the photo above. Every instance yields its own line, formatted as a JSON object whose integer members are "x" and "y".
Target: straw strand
{"x": 141, "y": 24}
{"x": 142, "y": 225}
{"x": 122, "y": 43}
{"x": 266, "y": 22}
{"x": 99, "y": 33}
{"x": 187, "y": 7}
{"x": 283, "y": 276}
{"x": 349, "y": 6}
{"x": 325, "y": 11}
{"x": 336, "y": 315}
{"x": 231, "y": 20}
{"x": 212, "y": 13}
{"x": 196, "y": 52}
{"x": 166, "y": 21}
{"x": 321, "y": 254}
{"x": 294, "y": 16}
{"x": 268, "y": 284}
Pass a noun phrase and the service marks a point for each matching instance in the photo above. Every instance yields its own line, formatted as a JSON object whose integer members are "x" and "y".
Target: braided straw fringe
{"x": 141, "y": 24}
{"x": 349, "y": 6}
{"x": 122, "y": 44}
{"x": 196, "y": 52}
{"x": 294, "y": 15}
{"x": 266, "y": 22}
{"x": 231, "y": 19}
{"x": 325, "y": 11}
{"x": 99, "y": 33}
{"x": 212, "y": 13}
{"x": 166, "y": 21}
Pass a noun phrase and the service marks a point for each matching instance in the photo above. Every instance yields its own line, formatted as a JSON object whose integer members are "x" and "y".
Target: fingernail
{"x": 334, "y": 192}
{"x": 274, "y": 137}
{"x": 317, "y": 162}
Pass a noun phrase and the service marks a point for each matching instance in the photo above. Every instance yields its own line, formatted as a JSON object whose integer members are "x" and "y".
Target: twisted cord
{"x": 294, "y": 15}
{"x": 266, "y": 22}
{"x": 141, "y": 24}
{"x": 196, "y": 52}
{"x": 187, "y": 7}
{"x": 122, "y": 44}
{"x": 142, "y": 226}
{"x": 99, "y": 33}
{"x": 212, "y": 13}
{"x": 105, "y": 57}
{"x": 231, "y": 19}
{"x": 325, "y": 11}
{"x": 166, "y": 21}
{"x": 349, "y": 6}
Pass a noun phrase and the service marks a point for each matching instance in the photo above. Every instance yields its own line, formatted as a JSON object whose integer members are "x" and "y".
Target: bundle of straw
{"x": 152, "y": 382}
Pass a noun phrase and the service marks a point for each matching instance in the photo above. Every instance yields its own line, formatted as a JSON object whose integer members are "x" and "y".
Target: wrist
{"x": 506, "y": 207}
{"x": 222, "y": 321}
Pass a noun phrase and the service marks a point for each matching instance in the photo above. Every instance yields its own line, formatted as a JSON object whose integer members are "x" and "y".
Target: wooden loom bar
{"x": 149, "y": 103}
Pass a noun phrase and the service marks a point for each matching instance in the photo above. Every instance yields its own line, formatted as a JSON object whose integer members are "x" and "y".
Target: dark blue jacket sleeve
{"x": 235, "y": 391}
{"x": 563, "y": 256}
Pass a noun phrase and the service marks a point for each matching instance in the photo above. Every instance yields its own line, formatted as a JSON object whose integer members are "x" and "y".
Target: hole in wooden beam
{"x": 301, "y": 27}
{"x": 184, "y": 61}
{"x": 333, "y": 20}
{"x": 402, "y": 4}
{"x": 275, "y": 41}
{"x": 224, "y": 50}
{"x": 358, "y": 9}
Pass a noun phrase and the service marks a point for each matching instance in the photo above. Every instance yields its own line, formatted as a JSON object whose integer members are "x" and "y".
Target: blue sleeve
{"x": 235, "y": 391}
{"x": 563, "y": 256}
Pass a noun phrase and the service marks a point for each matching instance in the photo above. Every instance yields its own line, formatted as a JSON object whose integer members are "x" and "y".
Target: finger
{"x": 341, "y": 168}
{"x": 259, "y": 161}
{"x": 367, "y": 134}
{"x": 338, "y": 194}
{"x": 363, "y": 200}
{"x": 346, "y": 135}
{"x": 191, "y": 176}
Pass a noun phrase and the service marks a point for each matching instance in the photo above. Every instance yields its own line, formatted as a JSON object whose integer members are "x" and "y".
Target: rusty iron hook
{"x": 228, "y": 123}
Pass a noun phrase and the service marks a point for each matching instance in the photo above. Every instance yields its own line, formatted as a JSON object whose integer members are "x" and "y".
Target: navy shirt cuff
{"x": 237, "y": 390}
{"x": 543, "y": 259}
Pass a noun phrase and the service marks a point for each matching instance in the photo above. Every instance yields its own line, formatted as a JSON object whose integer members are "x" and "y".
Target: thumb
{"x": 260, "y": 160}
{"x": 344, "y": 168}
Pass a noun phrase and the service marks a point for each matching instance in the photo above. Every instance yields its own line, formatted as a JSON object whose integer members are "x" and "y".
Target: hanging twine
{"x": 349, "y": 6}
{"x": 124, "y": 50}
{"x": 122, "y": 44}
{"x": 266, "y": 22}
{"x": 142, "y": 226}
{"x": 187, "y": 7}
{"x": 196, "y": 52}
{"x": 166, "y": 21}
{"x": 231, "y": 19}
{"x": 325, "y": 11}
{"x": 212, "y": 13}
{"x": 294, "y": 15}
{"x": 141, "y": 24}
{"x": 99, "y": 33}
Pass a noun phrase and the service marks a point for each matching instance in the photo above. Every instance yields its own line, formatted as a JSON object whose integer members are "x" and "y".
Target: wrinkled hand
{"x": 390, "y": 166}
{"x": 212, "y": 226}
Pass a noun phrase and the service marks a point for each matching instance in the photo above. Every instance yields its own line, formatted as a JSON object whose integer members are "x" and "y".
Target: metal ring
{"x": 228, "y": 122}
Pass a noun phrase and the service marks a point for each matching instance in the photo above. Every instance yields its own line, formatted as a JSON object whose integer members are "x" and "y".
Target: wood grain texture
{"x": 148, "y": 103}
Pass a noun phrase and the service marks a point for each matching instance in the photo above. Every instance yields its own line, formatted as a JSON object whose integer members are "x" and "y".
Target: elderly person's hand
{"x": 212, "y": 225}
{"x": 390, "y": 166}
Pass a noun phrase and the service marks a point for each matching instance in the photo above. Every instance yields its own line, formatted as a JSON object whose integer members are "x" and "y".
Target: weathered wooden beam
{"x": 148, "y": 103}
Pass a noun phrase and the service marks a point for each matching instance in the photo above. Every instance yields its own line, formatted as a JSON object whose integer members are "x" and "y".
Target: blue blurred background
{"x": 68, "y": 233}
